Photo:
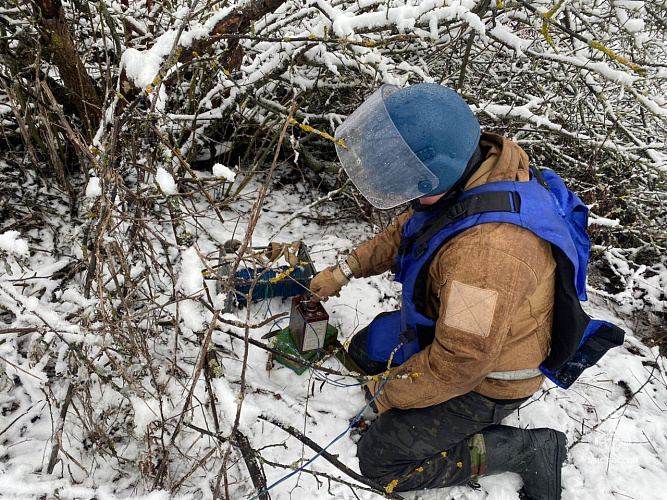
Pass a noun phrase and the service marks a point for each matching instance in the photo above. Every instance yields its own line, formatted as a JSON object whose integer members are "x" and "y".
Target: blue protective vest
{"x": 545, "y": 207}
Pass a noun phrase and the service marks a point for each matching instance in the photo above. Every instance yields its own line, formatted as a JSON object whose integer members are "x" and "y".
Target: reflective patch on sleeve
{"x": 470, "y": 308}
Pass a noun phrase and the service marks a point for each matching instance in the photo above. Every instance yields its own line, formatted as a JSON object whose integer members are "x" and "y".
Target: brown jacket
{"x": 492, "y": 293}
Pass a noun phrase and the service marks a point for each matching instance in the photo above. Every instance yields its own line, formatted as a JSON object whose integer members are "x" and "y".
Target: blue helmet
{"x": 439, "y": 127}
{"x": 402, "y": 144}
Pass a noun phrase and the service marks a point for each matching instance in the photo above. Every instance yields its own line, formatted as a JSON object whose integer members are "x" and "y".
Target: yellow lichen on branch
{"x": 546, "y": 17}
{"x": 594, "y": 44}
{"x": 308, "y": 128}
{"x": 386, "y": 376}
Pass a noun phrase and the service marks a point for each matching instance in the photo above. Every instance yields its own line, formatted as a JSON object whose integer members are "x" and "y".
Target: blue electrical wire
{"x": 356, "y": 419}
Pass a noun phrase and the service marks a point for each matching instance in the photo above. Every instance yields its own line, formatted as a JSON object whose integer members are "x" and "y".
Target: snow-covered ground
{"x": 615, "y": 416}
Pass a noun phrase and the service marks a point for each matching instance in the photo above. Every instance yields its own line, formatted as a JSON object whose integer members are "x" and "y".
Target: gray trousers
{"x": 424, "y": 447}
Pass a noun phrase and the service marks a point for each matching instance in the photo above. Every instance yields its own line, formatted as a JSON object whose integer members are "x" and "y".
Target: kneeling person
{"x": 477, "y": 304}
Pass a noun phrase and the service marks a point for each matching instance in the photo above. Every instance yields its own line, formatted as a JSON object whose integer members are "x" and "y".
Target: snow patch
{"x": 227, "y": 398}
{"x": 143, "y": 66}
{"x": 11, "y": 243}
{"x": 220, "y": 170}
{"x": 634, "y": 25}
{"x": 146, "y": 410}
{"x": 594, "y": 220}
{"x": 191, "y": 283}
{"x": 93, "y": 189}
{"x": 165, "y": 181}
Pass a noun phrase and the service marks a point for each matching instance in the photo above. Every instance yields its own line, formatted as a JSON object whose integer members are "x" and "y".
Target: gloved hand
{"x": 369, "y": 389}
{"x": 327, "y": 283}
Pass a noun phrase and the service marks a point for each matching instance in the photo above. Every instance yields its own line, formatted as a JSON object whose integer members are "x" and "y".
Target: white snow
{"x": 634, "y": 25}
{"x": 165, "y": 181}
{"x": 13, "y": 244}
{"x": 594, "y": 220}
{"x": 93, "y": 189}
{"x": 146, "y": 410}
{"x": 509, "y": 38}
{"x": 220, "y": 170}
{"x": 191, "y": 283}
{"x": 143, "y": 66}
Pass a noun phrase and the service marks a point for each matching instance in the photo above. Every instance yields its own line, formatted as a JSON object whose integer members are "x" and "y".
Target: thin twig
{"x": 629, "y": 399}
{"x": 254, "y": 218}
{"x": 328, "y": 197}
{"x": 60, "y": 425}
{"x": 378, "y": 488}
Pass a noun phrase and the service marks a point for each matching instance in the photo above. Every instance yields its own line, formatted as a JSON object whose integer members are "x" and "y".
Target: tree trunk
{"x": 78, "y": 83}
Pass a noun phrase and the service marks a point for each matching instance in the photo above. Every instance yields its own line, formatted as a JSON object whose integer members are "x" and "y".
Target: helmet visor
{"x": 377, "y": 159}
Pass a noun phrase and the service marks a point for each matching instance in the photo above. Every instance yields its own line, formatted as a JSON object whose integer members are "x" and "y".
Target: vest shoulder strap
{"x": 480, "y": 203}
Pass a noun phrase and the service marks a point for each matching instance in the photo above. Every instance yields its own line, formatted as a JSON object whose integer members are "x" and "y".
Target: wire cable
{"x": 317, "y": 455}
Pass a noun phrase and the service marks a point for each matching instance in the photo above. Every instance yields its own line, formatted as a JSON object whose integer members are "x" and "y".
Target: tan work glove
{"x": 369, "y": 389}
{"x": 327, "y": 283}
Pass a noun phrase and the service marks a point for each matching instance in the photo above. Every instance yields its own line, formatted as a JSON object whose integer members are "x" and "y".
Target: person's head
{"x": 403, "y": 144}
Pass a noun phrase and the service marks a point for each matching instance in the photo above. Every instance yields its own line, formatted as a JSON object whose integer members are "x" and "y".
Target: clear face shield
{"x": 377, "y": 158}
